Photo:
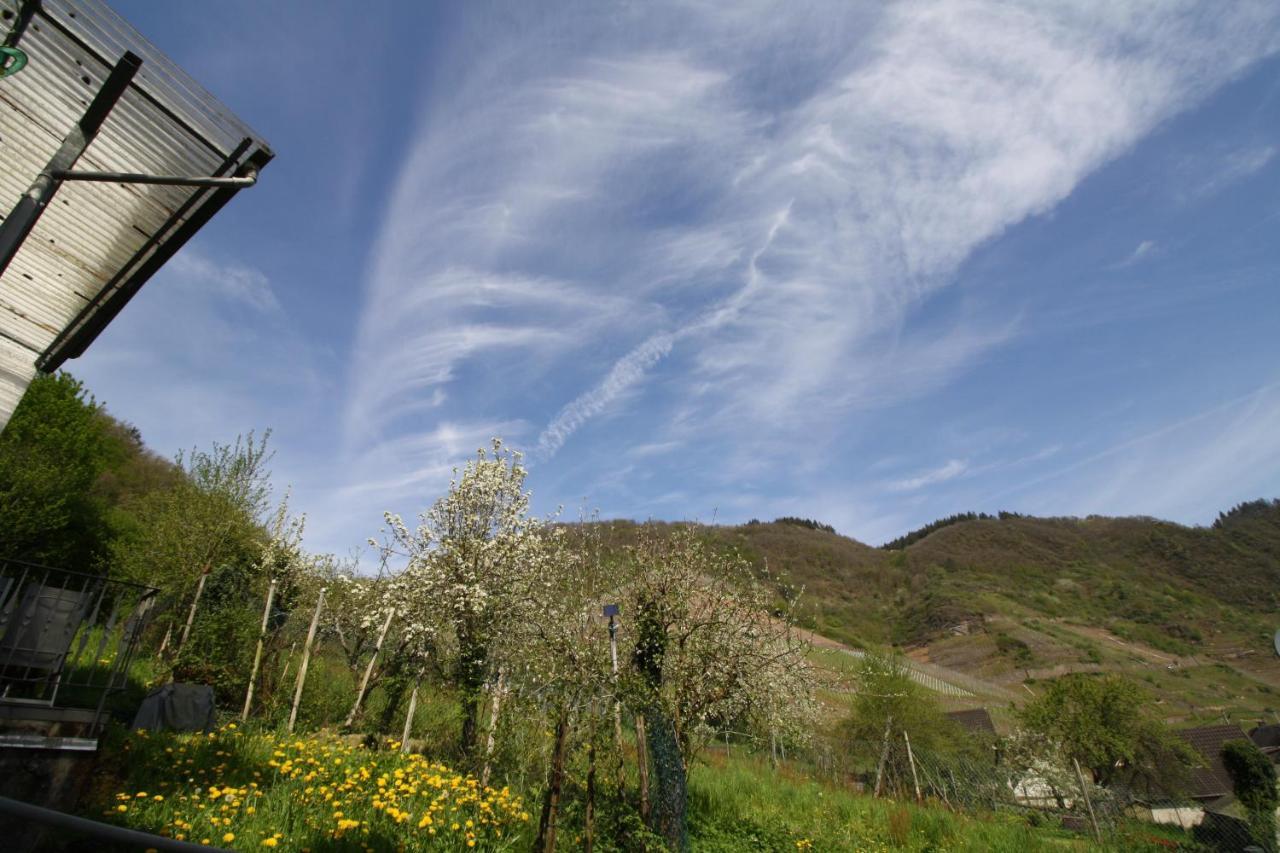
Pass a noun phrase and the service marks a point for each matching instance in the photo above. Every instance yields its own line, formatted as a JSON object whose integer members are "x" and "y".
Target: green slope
{"x": 1014, "y": 600}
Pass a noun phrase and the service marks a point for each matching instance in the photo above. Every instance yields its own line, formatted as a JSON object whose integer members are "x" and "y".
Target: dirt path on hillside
{"x": 948, "y": 682}
{"x": 1140, "y": 650}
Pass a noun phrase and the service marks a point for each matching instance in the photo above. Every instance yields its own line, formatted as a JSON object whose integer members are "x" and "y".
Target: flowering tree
{"x": 465, "y": 560}
{"x": 555, "y": 650}
{"x": 707, "y": 649}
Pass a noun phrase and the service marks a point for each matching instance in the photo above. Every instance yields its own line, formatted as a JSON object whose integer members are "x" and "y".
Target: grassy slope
{"x": 1189, "y": 611}
{"x": 308, "y": 792}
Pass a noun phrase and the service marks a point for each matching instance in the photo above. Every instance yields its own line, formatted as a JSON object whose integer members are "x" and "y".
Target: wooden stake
{"x": 257, "y": 654}
{"x": 884, "y": 754}
{"x": 168, "y": 634}
{"x": 306, "y": 659}
{"x": 912, "y": 761}
{"x": 368, "y": 670}
{"x": 1084, "y": 789}
{"x": 589, "y": 839}
{"x": 408, "y": 720}
{"x": 288, "y": 660}
{"x": 191, "y": 614}
{"x": 642, "y": 762}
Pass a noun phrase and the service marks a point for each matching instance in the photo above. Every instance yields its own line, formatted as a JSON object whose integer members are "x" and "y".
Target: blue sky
{"x": 868, "y": 263}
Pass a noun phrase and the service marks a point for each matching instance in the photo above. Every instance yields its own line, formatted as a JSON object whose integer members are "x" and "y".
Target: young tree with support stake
{"x": 465, "y": 560}
{"x": 707, "y": 647}
{"x": 211, "y": 516}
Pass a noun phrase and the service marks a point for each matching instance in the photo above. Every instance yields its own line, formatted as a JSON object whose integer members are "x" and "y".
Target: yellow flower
{"x": 269, "y": 842}
{"x": 122, "y": 808}
{"x": 229, "y": 837}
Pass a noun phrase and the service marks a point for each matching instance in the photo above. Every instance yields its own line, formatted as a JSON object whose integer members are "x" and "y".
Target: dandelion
{"x": 228, "y": 837}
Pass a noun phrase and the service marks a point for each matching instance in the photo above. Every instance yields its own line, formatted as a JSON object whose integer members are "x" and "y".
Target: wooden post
{"x": 368, "y": 670}
{"x": 1084, "y": 789}
{"x": 773, "y": 749}
{"x": 884, "y": 754}
{"x": 168, "y": 634}
{"x": 492, "y": 741}
{"x": 642, "y": 766}
{"x": 257, "y": 654}
{"x": 191, "y": 613}
{"x": 589, "y": 834}
{"x": 306, "y": 659}
{"x": 288, "y": 660}
{"x": 408, "y": 720}
{"x": 912, "y": 761}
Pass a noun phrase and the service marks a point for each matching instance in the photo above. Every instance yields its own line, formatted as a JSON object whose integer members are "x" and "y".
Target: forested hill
{"x": 1011, "y": 597}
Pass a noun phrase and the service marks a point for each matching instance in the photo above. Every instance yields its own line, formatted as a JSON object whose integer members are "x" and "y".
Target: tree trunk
{"x": 669, "y": 802}
{"x": 472, "y": 659}
{"x": 492, "y": 740}
{"x": 546, "y": 842}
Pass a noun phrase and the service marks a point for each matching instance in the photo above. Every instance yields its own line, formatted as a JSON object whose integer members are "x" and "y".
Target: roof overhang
{"x": 112, "y": 147}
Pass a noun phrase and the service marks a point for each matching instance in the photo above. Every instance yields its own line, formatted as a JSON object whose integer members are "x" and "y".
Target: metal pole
{"x": 18, "y": 224}
{"x": 248, "y": 180}
{"x": 257, "y": 655}
{"x": 102, "y": 831}
{"x": 306, "y": 659}
{"x": 617, "y": 704}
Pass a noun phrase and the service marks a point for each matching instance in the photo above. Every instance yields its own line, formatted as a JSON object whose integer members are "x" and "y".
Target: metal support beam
{"x": 167, "y": 180}
{"x": 18, "y": 224}
{"x": 26, "y": 11}
{"x": 95, "y": 316}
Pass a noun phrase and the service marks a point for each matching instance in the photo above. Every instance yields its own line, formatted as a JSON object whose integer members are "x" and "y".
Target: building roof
{"x": 974, "y": 720}
{"x": 1266, "y": 738}
{"x": 1210, "y": 782}
{"x": 97, "y": 243}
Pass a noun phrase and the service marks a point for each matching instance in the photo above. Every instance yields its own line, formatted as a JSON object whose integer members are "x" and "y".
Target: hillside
{"x": 1013, "y": 600}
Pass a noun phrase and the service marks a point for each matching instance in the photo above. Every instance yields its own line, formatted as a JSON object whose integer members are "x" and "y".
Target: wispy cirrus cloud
{"x": 951, "y": 469}
{"x": 685, "y": 208}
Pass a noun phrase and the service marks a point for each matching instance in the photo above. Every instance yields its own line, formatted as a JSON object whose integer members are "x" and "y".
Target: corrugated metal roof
{"x": 96, "y": 243}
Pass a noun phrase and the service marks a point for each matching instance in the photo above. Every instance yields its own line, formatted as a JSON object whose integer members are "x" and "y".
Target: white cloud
{"x": 646, "y": 201}
{"x": 1142, "y": 250}
{"x": 229, "y": 282}
{"x": 625, "y": 373}
{"x": 949, "y": 471}
{"x": 1227, "y": 169}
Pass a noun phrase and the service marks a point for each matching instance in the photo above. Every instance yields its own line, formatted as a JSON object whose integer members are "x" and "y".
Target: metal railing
{"x": 66, "y": 641}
